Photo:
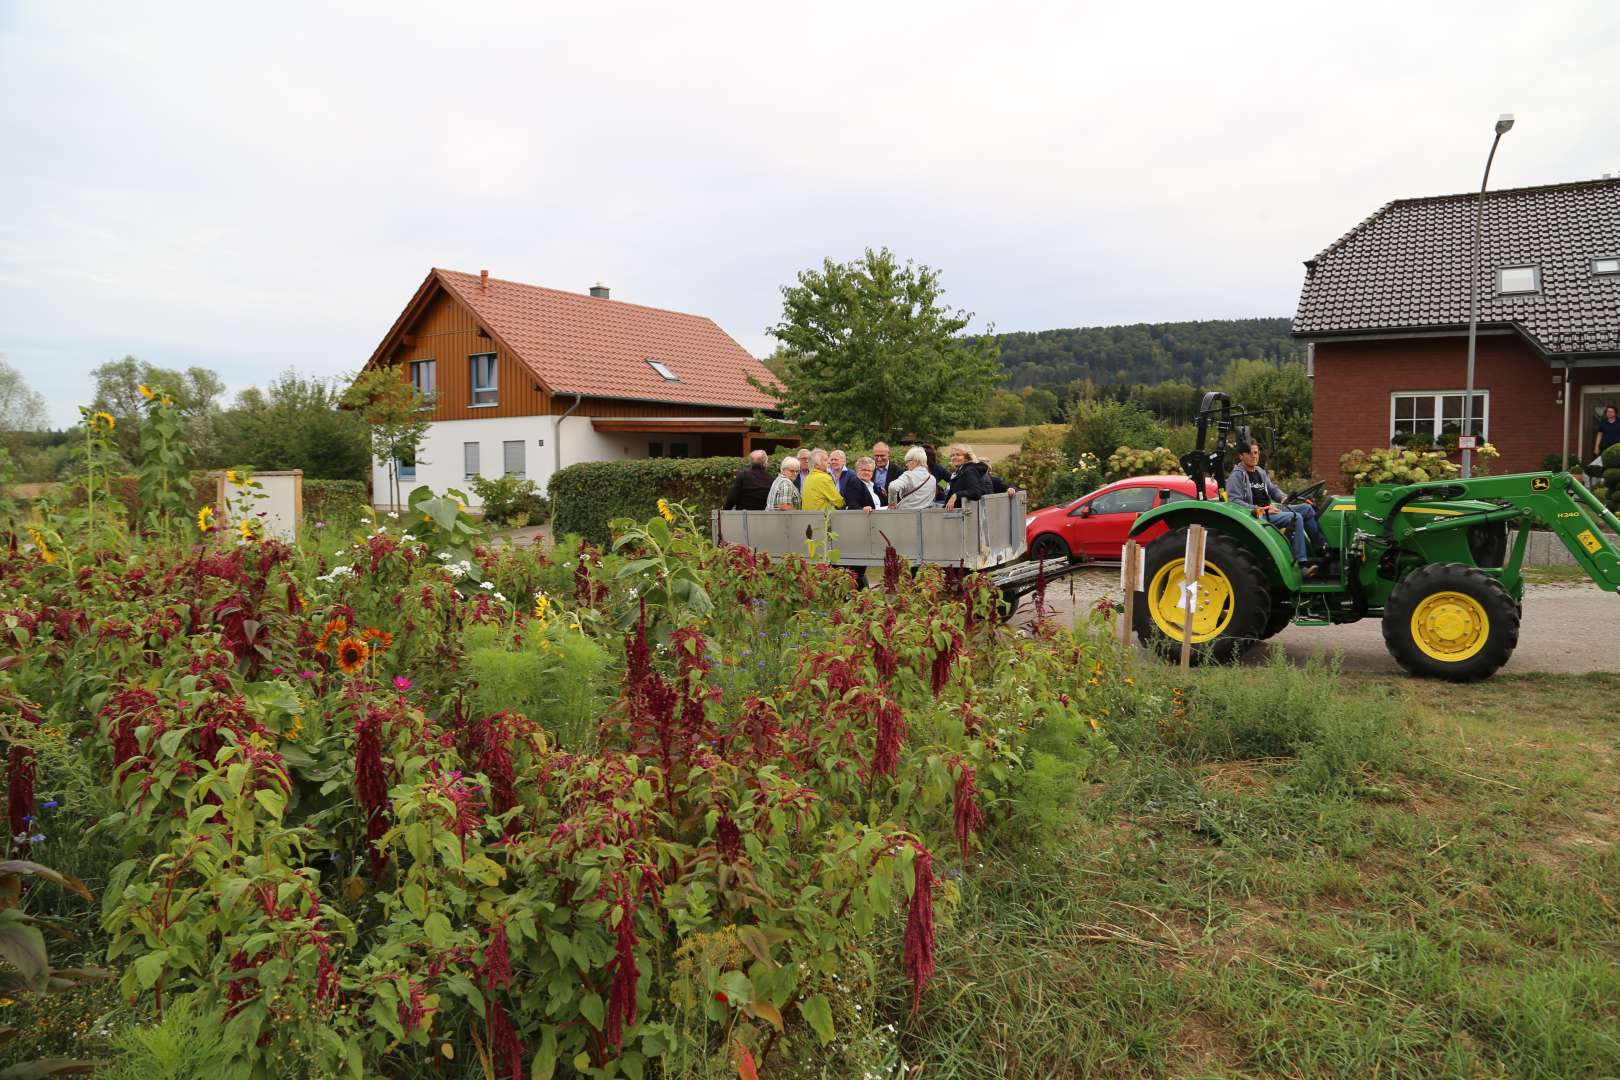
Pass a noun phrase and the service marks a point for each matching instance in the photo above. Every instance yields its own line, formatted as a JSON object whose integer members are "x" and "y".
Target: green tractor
{"x": 1433, "y": 560}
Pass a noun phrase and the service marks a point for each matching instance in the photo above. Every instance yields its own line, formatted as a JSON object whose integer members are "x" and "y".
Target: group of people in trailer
{"x": 823, "y": 480}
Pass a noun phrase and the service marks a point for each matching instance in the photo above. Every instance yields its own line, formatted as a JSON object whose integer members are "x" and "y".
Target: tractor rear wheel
{"x": 1451, "y": 621}
{"x": 1234, "y": 599}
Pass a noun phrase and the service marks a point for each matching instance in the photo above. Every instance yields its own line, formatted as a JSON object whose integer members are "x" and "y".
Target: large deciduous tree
{"x": 195, "y": 391}
{"x": 869, "y": 352}
{"x": 295, "y": 423}
{"x": 21, "y": 408}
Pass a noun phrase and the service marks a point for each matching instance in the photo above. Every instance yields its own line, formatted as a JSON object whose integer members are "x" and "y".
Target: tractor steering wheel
{"x": 1310, "y": 491}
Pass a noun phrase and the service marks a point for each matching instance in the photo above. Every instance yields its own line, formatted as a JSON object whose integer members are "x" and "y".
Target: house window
{"x": 425, "y": 376}
{"x": 662, "y": 369}
{"x": 405, "y": 468}
{"x": 484, "y": 390}
{"x": 679, "y": 449}
{"x": 1518, "y": 279}
{"x": 1609, "y": 265}
{"x": 469, "y": 460}
{"x": 655, "y": 449}
{"x": 512, "y": 452}
{"x": 1429, "y": 416}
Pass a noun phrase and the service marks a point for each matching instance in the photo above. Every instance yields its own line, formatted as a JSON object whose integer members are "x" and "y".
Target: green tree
{"x": 1004, "y": 409}
{"x": 1281, "y": 394}
{"x": 1101, "y": 426}
{"x": 297, "y": 423}
{"x": 870, "y": 353}
{"x": 398, "y": 413}
{"x": 21, "y": 409}
{"x": 196, "y": 394}
{"x": 1040, "y": 406}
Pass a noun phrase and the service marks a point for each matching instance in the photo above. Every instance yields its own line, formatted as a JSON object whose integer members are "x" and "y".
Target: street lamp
{"x": 1504, "y": 124}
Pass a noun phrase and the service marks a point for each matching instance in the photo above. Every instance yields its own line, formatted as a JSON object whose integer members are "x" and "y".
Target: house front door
{"x": 1593, "y": 401}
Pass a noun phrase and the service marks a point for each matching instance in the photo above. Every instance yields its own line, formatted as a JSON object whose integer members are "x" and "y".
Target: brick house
{"x": 528, "y": 380}
{"x": 1385, "y": 312}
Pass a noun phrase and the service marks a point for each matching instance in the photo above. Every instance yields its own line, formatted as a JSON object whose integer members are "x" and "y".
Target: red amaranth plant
{"x": 125, "y": 711}
{"x": 495, "y": 973}
{"x": 727, "y": 837}
{"x": 891, "y": 567}
{"x": 969, "y": 818}
{"x": 944, "y": 659}
{"x": 919, "y": 938}
{"x": 621, "y": 1009}
{"x": 371, "y": 786}
{"x": 505, "y": 1049}
{"x": 884, "y": 657}
{"x": 891, "y": 731}
{"x": 21, "y": 774}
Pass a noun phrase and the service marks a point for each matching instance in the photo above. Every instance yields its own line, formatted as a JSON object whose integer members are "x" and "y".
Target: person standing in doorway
{"x": 1608, "y": 431}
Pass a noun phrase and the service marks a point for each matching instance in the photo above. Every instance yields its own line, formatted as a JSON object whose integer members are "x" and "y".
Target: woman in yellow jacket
{"x": 820, "y": 491}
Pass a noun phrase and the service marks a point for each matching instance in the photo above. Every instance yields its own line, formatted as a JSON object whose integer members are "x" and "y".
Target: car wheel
{"x": 1049, "y": 546}
{"x": 1234, "y": 600}
{"x": 1451, "y": 621}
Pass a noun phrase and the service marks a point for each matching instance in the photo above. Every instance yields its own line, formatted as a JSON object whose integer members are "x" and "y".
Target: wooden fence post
{"x": 1192, "y": 571}
{"x": 1130, "y": 575}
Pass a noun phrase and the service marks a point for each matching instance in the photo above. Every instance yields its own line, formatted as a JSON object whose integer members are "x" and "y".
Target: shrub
{"x": 1125, "y": 462}
{"x": 335, "y": 498}
{"x": 1099, "y": 427}
{"x": 1082, "y": 479}
{"x": 1039, "y": 461}
{"x": 510, "y": 500}
{"x": 1395, "y": 466}
{"x": 589, "y": 495}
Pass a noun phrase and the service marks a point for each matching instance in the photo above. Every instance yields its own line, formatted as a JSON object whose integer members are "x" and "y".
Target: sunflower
{"x": 352, "y": 655}
{"x": 246, "y": 529}
{"x": 541, "y": 603}
{"x": 665, "y": 512}
{"x": 230, "y": 476}
{"x": 44, "y": 549}
{"x": 205, "y": 519}
{"x": 378, "y": 640}
{"x": 337, "y": 626}
{"x": 98, "y": 418}
{"x": 146, "y": 392}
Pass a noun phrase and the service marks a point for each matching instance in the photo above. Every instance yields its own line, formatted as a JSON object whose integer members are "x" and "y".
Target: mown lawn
{"x": 1311, "y": 876}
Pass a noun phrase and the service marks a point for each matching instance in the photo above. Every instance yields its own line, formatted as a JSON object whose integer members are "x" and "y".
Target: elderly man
{"x": 749, "y": 489}
{"x": 859, "y": 492}
{"x": 838, "y": 465}
{"x": 784, "y": 493}
{"x": 884, "y": 471}
{"x": 820, "y": 490}
{"x": 914, "y": 488}
{"x": 804, "y": 467}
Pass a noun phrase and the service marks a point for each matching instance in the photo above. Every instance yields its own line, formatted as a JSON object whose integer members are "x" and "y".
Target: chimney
{"x": 483, "y": 279}
{"x": 600, "y": 291}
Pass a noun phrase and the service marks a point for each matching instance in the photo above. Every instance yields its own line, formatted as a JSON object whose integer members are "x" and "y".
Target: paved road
{"x": 1564, "y": 628}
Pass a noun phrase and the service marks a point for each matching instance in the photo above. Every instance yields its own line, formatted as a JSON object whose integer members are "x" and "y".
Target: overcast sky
{"x": 197, "y": 184}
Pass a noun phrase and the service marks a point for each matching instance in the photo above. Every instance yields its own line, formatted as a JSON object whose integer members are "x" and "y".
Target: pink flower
{"x": 401, "y": 683}
{"x": 306, "y": 674}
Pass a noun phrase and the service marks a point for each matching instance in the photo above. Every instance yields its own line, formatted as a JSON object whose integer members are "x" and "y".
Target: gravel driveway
{"x": 1563, "y": 630}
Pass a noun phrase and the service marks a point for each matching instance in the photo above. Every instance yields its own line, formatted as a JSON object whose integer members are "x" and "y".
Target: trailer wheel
{"x": 1451, "y": 621}
{"x": 1234, "y": 602}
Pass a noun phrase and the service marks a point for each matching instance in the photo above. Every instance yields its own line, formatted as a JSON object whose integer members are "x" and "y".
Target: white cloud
{"x": 252, "y": 190}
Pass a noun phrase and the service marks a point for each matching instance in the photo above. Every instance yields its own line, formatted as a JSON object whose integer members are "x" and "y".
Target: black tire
{"x": 1007, "y": 604}
{"x": 1281, "y": 615}
{"x": 1049, "y": 546}
{"x": 1248, "y": 594}
{"x": 1479, "y": 632}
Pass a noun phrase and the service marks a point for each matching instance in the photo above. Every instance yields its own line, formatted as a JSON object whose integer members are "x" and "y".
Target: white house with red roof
{"x": 529, "y": 380}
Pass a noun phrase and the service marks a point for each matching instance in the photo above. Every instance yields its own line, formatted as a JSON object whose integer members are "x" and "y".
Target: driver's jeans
{"x": 1303, "y": 517}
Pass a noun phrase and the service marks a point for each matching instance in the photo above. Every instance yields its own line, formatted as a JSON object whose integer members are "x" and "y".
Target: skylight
{"x": 1518, "y": 279}
{"x": 1609, "y": 265}
{"x": 663, "y": 369}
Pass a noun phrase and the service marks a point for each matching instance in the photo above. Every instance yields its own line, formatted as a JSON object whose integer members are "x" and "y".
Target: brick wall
{"x": 1354, "y": 381}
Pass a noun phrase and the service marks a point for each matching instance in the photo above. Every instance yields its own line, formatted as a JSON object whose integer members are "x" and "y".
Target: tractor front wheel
{"x": 1451, "y": 621}
{"x": 1233, "y": 606}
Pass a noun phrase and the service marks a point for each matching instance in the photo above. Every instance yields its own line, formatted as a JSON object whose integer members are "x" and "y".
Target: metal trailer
{"x": 984, "y": 536}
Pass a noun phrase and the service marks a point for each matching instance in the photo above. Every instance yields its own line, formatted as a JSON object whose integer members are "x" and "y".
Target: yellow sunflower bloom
{"x": 352, "y": 654}
{"x": 40, "y": 545}
{"x": 205, "y": 519}
{"x": 99, "y": 418}
{"x": 665, "y": 512}
{"x": 541, "y": 603}
{"x": 230, "y": 476}
{"x": 146, "y": 392}
{"x": 246, "y": 529}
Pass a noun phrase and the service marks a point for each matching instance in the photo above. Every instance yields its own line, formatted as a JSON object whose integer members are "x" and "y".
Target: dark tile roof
{"x": 1405, "y": 268}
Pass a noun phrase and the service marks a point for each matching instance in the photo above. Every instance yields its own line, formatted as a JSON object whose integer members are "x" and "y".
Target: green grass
{"x": 1312, "y": 875}
{"x": 1012, "y": 435}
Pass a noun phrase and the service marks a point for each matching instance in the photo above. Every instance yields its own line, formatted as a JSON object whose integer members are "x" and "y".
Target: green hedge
{"x": 331, "y": 498}
{"x": 589, "y": 495}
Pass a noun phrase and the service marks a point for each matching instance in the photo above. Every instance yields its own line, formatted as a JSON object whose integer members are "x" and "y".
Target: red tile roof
{"x": 579, "y": 344}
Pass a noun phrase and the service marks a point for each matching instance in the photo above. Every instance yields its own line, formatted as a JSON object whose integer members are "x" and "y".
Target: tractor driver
{"x": 1251, "y": 486}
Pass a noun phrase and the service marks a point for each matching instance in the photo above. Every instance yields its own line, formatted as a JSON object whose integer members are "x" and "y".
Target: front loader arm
{"x": 1558, "y": 501}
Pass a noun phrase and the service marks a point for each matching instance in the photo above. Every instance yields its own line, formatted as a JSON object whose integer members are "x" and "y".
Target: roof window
{"x": 1608, "y": 265}
{"x": 663, "y": 369}
{"x": 1518, "y": 279}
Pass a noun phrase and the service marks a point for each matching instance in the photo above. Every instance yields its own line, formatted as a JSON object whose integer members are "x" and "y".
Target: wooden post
{"x": 1192, "y": 572}
{"x": 1130, "y": 573}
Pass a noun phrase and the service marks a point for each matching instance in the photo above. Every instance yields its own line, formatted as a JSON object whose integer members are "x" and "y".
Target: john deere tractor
{"x": 1433, "y": 560}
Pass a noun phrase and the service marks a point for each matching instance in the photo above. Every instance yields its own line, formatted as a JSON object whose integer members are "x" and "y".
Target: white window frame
{"x": 1535, "y": 276}
{"x": 1439, "y": 417}
{"x": 474, "y": 387}
{"x": 523, "y": 455}
{"x": 470, "y": 464}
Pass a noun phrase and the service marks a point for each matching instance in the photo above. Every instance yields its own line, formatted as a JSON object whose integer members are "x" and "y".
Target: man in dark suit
{"x": 883, "y": 469}
{"x": 858, "y": 489}
{"x": 752, "y": 486}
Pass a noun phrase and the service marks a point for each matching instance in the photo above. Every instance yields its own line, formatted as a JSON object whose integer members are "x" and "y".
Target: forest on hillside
{"x": 1194, "y": 352}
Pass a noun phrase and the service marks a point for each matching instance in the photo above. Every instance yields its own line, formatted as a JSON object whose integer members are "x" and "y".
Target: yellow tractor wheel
{"x": 1451, "y": 621}
{"x": 1232, "y": 606}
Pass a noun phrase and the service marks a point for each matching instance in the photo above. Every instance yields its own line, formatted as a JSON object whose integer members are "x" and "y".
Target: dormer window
{"x": 662, "y": 369}
{"x": 1511, "y": 280}
{"x": 1607, "y": 265}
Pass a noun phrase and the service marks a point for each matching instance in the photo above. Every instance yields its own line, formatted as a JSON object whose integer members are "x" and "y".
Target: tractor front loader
{"x": 1433, "y": 560}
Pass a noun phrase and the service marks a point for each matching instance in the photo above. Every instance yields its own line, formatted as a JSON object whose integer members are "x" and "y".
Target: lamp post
{"x": 1504, "y": 124}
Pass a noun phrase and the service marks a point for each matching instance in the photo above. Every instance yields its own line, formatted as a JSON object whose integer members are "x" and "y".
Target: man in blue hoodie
{"x": 1251, "y": 487}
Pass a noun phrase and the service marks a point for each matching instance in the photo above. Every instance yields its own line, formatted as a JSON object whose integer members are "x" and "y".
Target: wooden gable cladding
{"x": 446, "y": 332}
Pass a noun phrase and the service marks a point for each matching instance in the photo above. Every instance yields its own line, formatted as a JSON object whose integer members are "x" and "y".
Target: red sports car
{"x": 1094, "y": 526}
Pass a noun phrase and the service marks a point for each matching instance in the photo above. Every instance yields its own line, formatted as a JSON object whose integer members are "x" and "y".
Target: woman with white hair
{"x": 784, "y": 494}
{"x": 914, "y": 488}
